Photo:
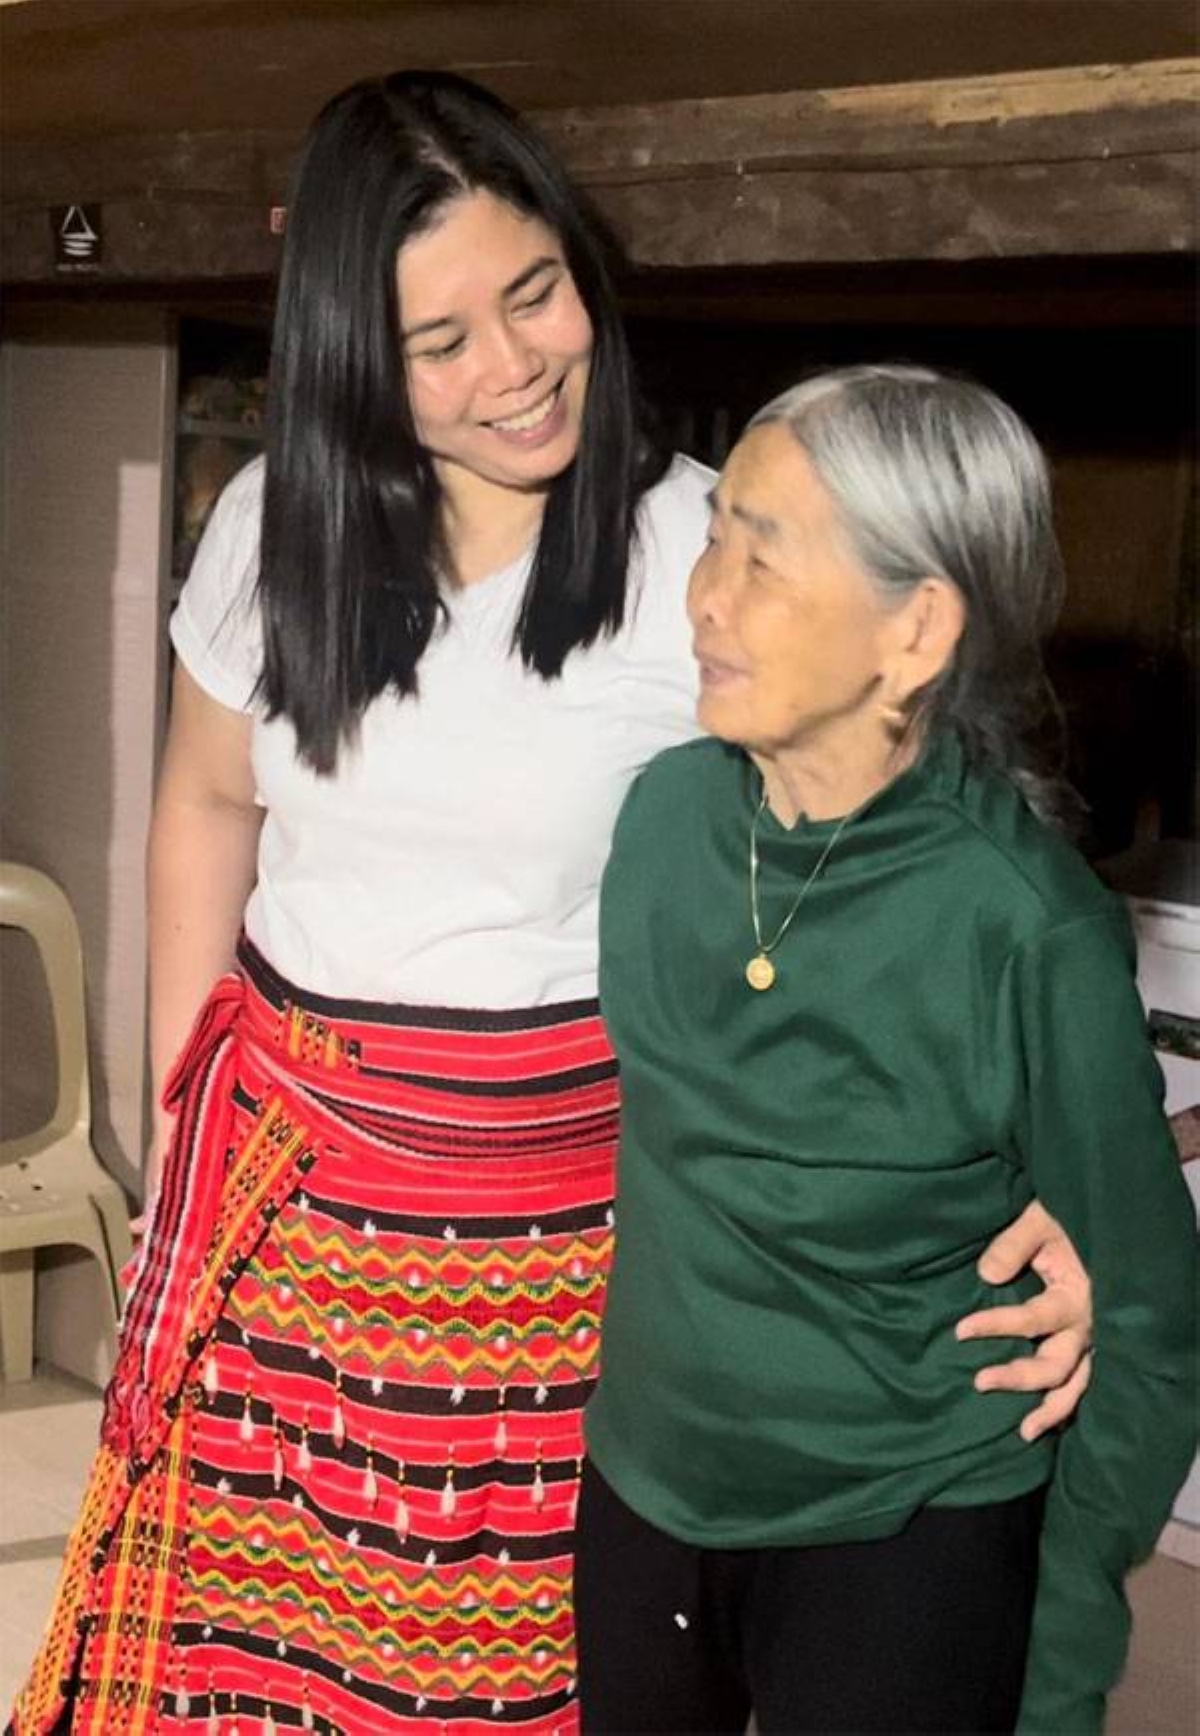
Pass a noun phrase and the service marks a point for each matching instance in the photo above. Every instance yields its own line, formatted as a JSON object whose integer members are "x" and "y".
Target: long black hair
{"x": 352, "y": 537}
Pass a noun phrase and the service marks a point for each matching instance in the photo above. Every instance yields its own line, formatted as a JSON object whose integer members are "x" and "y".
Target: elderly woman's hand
{"x": 1061, "y": 1316}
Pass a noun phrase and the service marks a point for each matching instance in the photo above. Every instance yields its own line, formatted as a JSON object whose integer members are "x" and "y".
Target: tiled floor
{"x": 48, "y": 1428}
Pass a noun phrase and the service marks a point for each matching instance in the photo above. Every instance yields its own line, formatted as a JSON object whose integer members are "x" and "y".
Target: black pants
{"x": 925, "y": 1631}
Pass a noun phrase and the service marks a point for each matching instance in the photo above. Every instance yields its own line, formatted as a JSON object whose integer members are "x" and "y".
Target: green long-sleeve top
{"x": 808, "y": 1175}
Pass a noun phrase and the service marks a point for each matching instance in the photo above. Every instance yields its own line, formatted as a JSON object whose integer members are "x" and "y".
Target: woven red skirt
{"x": 341, "y": 1453}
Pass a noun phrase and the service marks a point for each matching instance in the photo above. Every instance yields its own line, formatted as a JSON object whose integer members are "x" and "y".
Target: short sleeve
{"x": 215, "y": 628}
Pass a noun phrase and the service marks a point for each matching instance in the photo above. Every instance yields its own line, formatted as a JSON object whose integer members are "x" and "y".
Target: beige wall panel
{"x": 87, "y": 409}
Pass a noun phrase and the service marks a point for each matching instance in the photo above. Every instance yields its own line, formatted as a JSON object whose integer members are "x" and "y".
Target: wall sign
{"x": 78, "y": 237}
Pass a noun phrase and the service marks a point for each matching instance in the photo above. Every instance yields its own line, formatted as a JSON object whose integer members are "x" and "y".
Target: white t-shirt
{"x": 454, "y": 857}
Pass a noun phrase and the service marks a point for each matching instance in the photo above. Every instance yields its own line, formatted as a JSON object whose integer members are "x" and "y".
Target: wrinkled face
{"x": 496, "y": 344}
{"x": 792, "y": 637}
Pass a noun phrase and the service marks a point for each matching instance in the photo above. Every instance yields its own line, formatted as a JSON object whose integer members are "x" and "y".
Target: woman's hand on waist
{"x": 1060, "y": 1317}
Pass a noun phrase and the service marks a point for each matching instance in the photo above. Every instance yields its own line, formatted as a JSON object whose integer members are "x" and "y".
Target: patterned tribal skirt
{"x": 340, "y": 1459}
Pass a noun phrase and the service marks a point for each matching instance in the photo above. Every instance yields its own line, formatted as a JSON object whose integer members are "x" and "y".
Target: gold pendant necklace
{"x": 760, "y": 972}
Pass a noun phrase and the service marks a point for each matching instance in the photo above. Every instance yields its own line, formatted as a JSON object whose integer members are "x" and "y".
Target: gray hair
{"x": 933, "y": 475}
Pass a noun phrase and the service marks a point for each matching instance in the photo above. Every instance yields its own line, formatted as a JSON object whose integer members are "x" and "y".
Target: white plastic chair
{"x": 53, "y": 1190}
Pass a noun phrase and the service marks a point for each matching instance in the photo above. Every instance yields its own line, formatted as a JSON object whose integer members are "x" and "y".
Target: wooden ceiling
{"x": 79, "y": 69}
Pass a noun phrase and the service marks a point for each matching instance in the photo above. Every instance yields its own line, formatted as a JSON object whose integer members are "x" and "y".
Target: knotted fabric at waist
{"x": 271, "y": 1080}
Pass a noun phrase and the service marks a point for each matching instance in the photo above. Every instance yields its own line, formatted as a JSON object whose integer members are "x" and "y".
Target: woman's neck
{"x": 487, "y": 526}
{"x": 825, "y": 780}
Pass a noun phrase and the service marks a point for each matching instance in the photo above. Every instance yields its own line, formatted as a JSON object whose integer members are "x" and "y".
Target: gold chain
{"x": 760, "y": 972}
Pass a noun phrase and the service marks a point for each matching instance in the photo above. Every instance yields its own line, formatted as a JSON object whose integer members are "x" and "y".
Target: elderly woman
{"x": 867, "y": 1001}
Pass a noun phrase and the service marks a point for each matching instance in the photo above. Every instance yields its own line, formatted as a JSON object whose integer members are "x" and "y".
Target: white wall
{"x": 85, "y": 446}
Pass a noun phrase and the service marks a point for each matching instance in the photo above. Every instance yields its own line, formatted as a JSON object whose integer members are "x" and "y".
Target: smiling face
{"x": 797, "y": 649}
{"x": 496, "y": 345}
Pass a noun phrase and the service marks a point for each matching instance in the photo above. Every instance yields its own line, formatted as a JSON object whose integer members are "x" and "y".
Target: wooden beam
{"x": 1030, "y": 209}
{"x": 1082, "y": 161}
{"x": 168, "y": 238}
{"x": 220, "y": 165}
{"x": 1077, "y": 161}
{"x": 1064, "y": 115}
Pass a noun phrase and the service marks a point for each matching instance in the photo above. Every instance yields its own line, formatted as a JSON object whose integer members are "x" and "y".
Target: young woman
{"x": 866, "y": 1000}
{"x": 421, "y": 657}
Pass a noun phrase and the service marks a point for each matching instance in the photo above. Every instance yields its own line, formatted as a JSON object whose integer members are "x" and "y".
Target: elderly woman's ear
{"x": 926, "y": 629}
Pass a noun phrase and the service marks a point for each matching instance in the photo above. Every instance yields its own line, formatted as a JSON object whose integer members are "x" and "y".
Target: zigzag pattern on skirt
{"x": 343, "y": 1448}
